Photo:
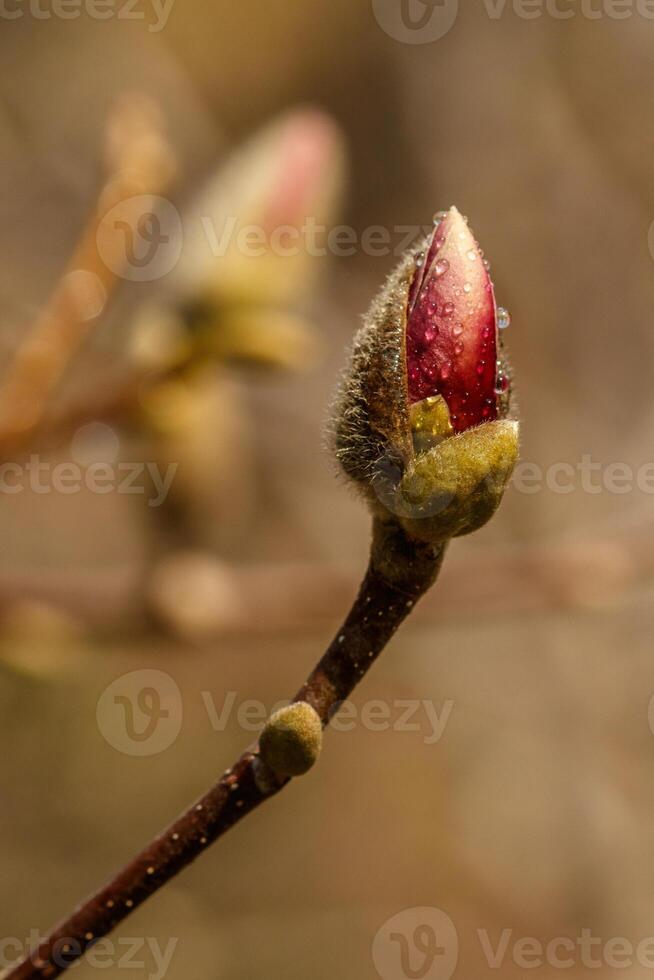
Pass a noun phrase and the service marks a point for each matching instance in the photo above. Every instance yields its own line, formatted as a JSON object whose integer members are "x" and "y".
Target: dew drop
{"x": 445, "y": 371}
{"x": 472, "y": 255}
{"x": 439, "y": 216}
{"x": 441, "y": 268}
{"x": 457, "y": 330}
{"x": 502, "y": 385}
{"x": 448, "y": 309}
{"x": 458, "y": 347}
{"x": 503, "y": 318}
{"x": 420, "y": 258}
{"x": 467, "y": 288}
{"x": 487, "y": 265}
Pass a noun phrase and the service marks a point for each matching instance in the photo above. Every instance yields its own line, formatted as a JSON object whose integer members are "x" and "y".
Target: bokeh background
{"x": 533, "y": 812}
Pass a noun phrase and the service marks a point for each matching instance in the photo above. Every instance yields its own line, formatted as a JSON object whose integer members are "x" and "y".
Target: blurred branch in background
{"x": 228, "y": 302}
{"x": 140, "y": 162}
{"x": 203, "y": 598}
{"x": 223, "y": 304}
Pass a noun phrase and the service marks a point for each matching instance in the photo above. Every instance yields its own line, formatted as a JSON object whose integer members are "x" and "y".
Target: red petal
{"x": 452, "y": 327}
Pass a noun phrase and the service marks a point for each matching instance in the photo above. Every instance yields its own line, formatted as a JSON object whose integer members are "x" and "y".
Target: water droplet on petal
{"x": 445, "y": 371}
{"x": 458, "y": 347}
{"x": 441, "y": 268}
{"x": 472, "y": 255}
{"x": 448, "y": 309}
{"x": 457, "y": 330}
{"x": 503, "y": 318}
{"x": 467, "y": 288}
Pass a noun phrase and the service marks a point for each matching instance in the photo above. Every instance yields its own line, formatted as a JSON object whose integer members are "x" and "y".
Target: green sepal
{"x": 457, "y": 486}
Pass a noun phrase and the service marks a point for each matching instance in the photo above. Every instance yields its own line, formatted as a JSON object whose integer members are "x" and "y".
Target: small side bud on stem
{"x": 290, "y": 743}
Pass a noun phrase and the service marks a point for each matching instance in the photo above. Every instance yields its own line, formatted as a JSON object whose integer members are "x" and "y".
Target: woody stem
{"x": 399, "y": 572}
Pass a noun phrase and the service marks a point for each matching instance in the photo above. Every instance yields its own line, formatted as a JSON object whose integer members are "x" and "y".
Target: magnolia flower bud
{"x": 247, "y": 274}
{"x": 292, "y": 739}
{"x": 422, "y": 421}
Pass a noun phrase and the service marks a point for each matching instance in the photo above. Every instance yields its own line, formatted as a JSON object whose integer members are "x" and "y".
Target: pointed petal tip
{"x": 452, "y": 326}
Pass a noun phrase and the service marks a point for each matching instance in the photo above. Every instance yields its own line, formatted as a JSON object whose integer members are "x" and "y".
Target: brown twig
{"x": 399, "y": 573}
{"x": 140, "y": 164}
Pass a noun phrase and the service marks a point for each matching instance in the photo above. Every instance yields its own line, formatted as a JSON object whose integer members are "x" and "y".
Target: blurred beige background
{"x": 533, "y": 812}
